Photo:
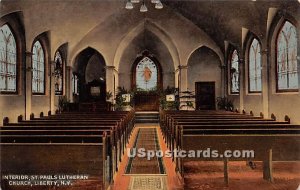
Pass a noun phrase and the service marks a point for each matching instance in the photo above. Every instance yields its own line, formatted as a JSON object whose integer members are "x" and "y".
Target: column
{"x": 226, "y": 80}
{"x": 183, "y": 83}
{"x": 68, "y": 81}
{"x": 242, "y": 82}
{"x": 223, "y": 80}
{"x": 110, "y": 84}
{"x": 265, "y": 78}
{"x": 28, "y": 86}
{"x": 116, "y": 81}
{"x": 52, "y": 88}
{"x": 176, "y": 75}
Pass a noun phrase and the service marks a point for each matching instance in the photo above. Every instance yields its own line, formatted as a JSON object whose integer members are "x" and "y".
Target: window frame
{"x": 45, "y": 67}
{"x": 229, "y": 71}
{"x": 158, "y": 66}
{"x": 18, "y": 58}
{"x": 157, "y": 73}
{"x": 276, "y": 63}
{"x": 248, "y": 66}
{"x": 62, "y": 74}
{"x": 75, "y": 80}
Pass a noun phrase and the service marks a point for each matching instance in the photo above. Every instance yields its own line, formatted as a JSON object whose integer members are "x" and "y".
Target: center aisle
{"x": 146, "y": 139}
{"x": 138, "y": 173}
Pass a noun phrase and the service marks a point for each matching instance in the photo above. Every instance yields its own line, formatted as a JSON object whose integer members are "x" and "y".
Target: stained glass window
{"x": 234, "y": 72}
{"x": 38, "y": 68}
{"x": 58, "y": 73}
{"x": 255, "y": 67}
{"x": 287, "y": 74}
{"x": 8, "y": 60}
{"x": 146, "y": 75}
{"x": 75, "y": 84}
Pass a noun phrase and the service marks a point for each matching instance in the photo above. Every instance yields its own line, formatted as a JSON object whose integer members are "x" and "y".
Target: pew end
{"x": 287, "y": 118}
{"x": 273, "y": 117}
{"x": 42, "y": 114}
{"x": 5, "y": 120}
{"x": 31, "y": 116}
{"x": 251, "y": 113}
{"x": 261, "y": 115}
{"x": 20, "y": 118}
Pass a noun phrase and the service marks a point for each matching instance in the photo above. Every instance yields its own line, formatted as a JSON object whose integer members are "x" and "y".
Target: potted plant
{"x": 224, "y": 103}
{"x": 167, "y": 104}
{"x": 123, "y": 99}
{"x": 63, "y": 104}
{"x": 109, "y": 95}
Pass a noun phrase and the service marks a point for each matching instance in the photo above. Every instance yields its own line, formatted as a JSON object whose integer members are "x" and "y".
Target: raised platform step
{"x": 147, "y": 112}
{"x": 147, "y": 117}
{"x": 146, "y": 121}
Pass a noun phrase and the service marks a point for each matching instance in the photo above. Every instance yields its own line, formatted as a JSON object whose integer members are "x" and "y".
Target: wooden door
{"x": 205, "y": 96}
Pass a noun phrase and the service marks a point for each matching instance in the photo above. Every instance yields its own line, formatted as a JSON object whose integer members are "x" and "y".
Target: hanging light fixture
{"x": 143, "y": 8}
{"x": 159, "y": 5}
{"x": 129, "y": 5}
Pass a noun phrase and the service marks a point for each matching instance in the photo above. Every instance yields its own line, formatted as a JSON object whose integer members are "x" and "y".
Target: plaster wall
{"x": 204, "y": 66}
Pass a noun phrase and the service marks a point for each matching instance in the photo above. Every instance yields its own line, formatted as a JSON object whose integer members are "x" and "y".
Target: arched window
{"x": 8, "y": 60}
{"x": 146, "y": 75}
{"x": 38, "y": 68}
{"x": 255, "y": 66}
{"x": 234, "y": 72}
{"x": 75, "y": 84}
{"x": 58, "y": 73}
{"x": 286, "y": 64}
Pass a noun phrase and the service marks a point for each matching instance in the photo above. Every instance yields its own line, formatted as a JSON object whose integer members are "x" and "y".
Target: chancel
{"x": 149, "y": 94}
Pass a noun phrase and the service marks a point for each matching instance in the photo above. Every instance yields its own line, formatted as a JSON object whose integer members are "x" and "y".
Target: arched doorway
{"x": 146, "y": 82}
{"x": 90, "y": 71}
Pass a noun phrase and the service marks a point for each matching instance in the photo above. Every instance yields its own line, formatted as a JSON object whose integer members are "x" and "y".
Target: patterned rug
{"x": 148, "y": 183}
{"x": 146, "y": 138}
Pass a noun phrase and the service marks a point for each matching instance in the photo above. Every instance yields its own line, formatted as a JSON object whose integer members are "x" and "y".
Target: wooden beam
{"x": 268, "y": 167}
{"x": 226, "y": 177}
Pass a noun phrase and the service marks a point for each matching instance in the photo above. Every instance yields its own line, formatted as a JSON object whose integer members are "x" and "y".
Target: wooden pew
{"x": 118, "y": 148}
{"x": 76, "y": 130}
{"x": 231, "y": 131}
{"x": 268, "y": 145}
{"x": 65, "y": 154}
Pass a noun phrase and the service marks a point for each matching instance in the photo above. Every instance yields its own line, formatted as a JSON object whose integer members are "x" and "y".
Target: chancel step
{"x": 146, "y": 117}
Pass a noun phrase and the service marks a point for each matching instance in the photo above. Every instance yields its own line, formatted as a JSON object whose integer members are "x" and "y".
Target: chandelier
{"x": 129, "y": 4}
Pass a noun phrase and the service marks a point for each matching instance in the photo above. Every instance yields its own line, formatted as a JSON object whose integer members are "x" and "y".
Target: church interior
{"x": 86, "y": 83}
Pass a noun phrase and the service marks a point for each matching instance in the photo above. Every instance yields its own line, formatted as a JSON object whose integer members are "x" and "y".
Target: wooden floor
{"x": 206, "y": 175}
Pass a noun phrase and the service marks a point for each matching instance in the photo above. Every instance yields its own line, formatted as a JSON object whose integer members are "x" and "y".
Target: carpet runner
{"x": 146, "y": 138}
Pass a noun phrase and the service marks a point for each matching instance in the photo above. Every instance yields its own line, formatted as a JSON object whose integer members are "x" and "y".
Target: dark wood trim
{"x": 197, "y": 85}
